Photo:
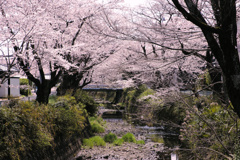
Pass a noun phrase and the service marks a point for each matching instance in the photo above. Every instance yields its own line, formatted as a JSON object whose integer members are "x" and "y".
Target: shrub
{"x": 83, "y": 97}
{"x": 24, "y": 81}
{"x": 110, "y": 137}
{"x": 52, "y": 99}
{"x": 129, "y": 137}
{"x": 142, "y": 142}
{"x": 97, "y": 124}
{"x": 94, "y": 141}
{"x": 88, "y": 143}
{"x": 23, "y": 130}
{"x": 97, "y": 128}
{"x": 156, "y": 139}
{"x": 27, "y": 127}
{"x": 98, "y": 120}
{"x": 98, "y": 141}
{"x": 25, "y": 90}
{"x": 118, "y": 142}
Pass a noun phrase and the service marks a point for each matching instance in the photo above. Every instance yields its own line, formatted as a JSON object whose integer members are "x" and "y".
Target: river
{"x": 155, "y": 147}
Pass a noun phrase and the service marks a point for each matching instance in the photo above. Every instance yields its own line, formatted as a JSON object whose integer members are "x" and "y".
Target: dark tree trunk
{"x": 69, "y": 82}
{"x": 73, "y": 82}
{"x": 43, "y": 92}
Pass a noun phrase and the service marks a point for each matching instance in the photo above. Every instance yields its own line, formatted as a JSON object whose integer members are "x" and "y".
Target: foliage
{"x": 25, "y": 89}
{"x": 157, "y": 139}
{"x": 52, "y": 99}
{"x": 132, "y": 95}
{"x": 204, "y": 80}
{"x": 88, "y": 143}
{"x": 210, "y": 130}
{"x": 145, "y": 93}
{"x": 110, "y": 137}
{"x": 65, "y": 101}
{"x": 83, "y": 97}
{"x": 118, "y": 142}
{"x": 24, "y": 81}
{"x": 22, "y": 129}
{"x": 97, "y": 128}
{"x": 141, "y": 142}
{"x": 94, "y": 141}
{"x": 27, "y": 127}
{"x": 170, "y": 111}
{"x": 97, "y": 124}
{"x": 129, "y": 137}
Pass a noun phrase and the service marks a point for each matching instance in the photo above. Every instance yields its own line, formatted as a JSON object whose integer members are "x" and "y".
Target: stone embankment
{"x": 128, "y": 151}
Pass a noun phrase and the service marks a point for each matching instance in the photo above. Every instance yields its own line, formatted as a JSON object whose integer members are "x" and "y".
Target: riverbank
{"x": 149, "y": 151}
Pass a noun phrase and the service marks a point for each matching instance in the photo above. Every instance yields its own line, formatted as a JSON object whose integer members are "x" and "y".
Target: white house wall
{"x": 14, "y": 88}
{"x": 4, "y": 90}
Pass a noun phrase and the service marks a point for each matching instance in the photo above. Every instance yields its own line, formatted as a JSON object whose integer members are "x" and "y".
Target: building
{"x": 9, "y": 87}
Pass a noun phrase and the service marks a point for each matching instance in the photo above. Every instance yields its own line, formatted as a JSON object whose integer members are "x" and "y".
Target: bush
{"x": 97, "y": 124}
{"x": 97, "y": 128}
{"x": 65, "y": 101}
{"x": 27, "y": 127}
{"x": 83, "y": 97}
{"x": 129, "y": 137}
{"x": 98, "y": 141}
{"x": 88, "y": 143}
{"x": 142, "y": 142}
{"x": 156, "y": 139}
{"x": 25, "y": 90}
{"x": 24, "y": 81}
{"x": 94, "y": 141}
{"x": 210, "y": 126}
{"x": 118, "y": 142}
{"x": 52, "y": 99}
{"x": 110, "y": 137}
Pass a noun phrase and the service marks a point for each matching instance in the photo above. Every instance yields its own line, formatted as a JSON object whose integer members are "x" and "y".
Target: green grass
{"x": 118, "y": 142}
{"x": 94, "y": 141}
{"x": 129, "y": 137}
{"x": 142, "y": 142}
{"x": 97, "y": 128}
{"x": 88, "y": 143}
{"x": 97, "y": 124}
{"x": 110, "y": 137}
{"x": 156, "y": 139}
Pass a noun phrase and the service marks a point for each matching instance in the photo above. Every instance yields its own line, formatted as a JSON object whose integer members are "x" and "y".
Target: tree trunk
{"x": 43, "y": 92}
{"x": 73, "y": 82}
{"x": 233, "y": 90}
{"x": 69, "y": 82}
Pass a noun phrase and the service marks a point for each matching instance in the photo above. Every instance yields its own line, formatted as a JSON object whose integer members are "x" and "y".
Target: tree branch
{"x": 196, "y": 18}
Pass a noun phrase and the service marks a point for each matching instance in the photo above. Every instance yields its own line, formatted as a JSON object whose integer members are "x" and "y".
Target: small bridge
{"x": 103, "y": 87}
{"x": 106, "y": 88}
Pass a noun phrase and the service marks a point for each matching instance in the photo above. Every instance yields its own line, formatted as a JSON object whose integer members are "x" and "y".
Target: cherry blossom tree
{"x": 153, "y": 53}
{"x": 48, "y": 35}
